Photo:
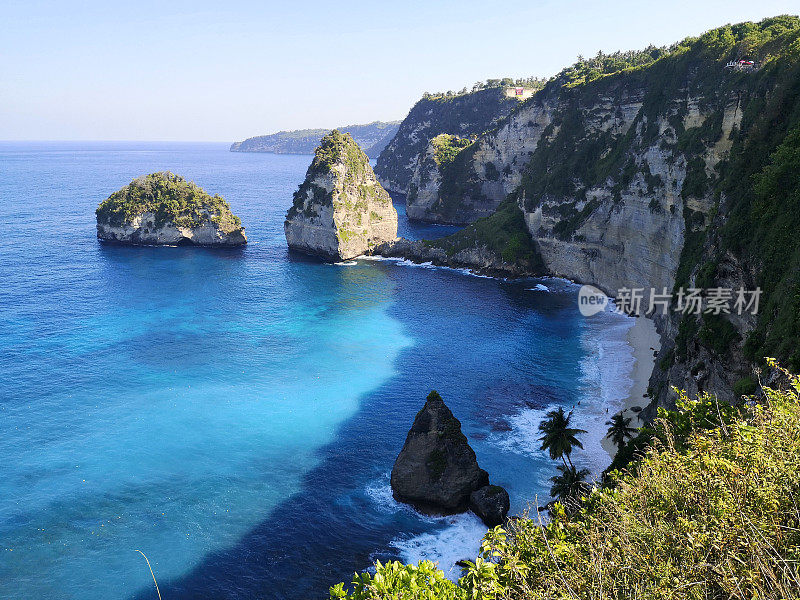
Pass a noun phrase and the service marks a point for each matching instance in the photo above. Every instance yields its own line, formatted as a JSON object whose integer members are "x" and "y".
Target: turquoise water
{"x": 234, "y": 414}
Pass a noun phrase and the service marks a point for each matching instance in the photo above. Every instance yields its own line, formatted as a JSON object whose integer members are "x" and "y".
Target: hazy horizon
{"x": 196, "y": 72}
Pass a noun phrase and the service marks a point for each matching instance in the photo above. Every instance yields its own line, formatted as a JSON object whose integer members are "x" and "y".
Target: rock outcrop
{"x": 491, "y": 504}
{"x": 423, "y": 202}
{"x": 165, "y": 209}
{"x": 437, "y": 471}
{"x": 340, "y": 210}
{"x": 464, "y": 115}
{"x": 496, "y": 245}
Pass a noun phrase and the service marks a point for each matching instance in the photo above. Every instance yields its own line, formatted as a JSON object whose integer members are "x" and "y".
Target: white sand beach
{"x": 644, "y": 341}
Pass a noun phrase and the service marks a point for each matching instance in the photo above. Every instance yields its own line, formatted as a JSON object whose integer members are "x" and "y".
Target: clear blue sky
{"x": 224, "y": 71}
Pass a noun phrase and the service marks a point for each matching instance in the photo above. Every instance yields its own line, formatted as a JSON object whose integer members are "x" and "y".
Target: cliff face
{"x": 372, "y": 137}
{"x": 477, "y": 179}
{"x": 651, "y": 177}
{"x": 423, "y": 202}
{"x": 165, "y": 209}
{"x": 463, "y": 115}
{"x": 340, "y": 211}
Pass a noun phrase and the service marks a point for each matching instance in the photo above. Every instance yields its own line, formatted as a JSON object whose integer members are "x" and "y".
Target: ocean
{"x": 234, "y": 414}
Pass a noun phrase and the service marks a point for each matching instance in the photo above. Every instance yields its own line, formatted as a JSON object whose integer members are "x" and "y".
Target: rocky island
{"x": 340, "y": 211}
{"x": 165, "y": 209}
{"x": 437, "y": 471}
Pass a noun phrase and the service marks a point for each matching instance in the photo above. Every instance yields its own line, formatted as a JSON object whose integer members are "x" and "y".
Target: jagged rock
{"x": 340, "y": 210}
{"x": 490, "y": 503}
{"x": 437, "y": 471}
{"x": 165, "y": 209}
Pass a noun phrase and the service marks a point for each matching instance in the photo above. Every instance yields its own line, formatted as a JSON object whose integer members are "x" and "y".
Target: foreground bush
{"x": 710, "y": 510}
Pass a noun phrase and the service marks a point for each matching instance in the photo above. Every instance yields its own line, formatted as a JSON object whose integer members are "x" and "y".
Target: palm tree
{"x": 558, "y": 437}
{"x": 619, "y": 430}
{"x": 570, "y": 484}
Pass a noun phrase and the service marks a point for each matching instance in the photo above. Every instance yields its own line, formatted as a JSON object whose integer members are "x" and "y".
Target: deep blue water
{"x": 234, "y": 414}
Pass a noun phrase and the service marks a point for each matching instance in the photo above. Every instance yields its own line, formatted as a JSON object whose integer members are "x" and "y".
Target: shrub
{"x": 171, "y": 199}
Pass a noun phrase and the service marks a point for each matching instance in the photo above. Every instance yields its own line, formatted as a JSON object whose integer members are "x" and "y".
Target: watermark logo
{"x": 591, "y": 300}
{"x": 689, "y": 301}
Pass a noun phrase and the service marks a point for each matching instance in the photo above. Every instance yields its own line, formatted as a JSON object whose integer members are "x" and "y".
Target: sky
{"x": 227, "y": 70}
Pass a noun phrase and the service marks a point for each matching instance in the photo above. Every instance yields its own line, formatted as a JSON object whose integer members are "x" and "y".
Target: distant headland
{"x": 372, "y": 137}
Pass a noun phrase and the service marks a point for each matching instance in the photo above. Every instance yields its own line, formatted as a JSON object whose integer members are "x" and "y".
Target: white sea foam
{"x": 459, "y": 540}
{"x": 378, "y": 258}
{"x": 458, "y": 536}
{"x": 603, "y": 386}
{"x": 523, "y": 437}
{"x": 539, "y": 287}
{"x": 380, "y": 492}
{"x": 429, "y": 265}
{"x": 605, "y": 381}
{"x": 345, "y": 263}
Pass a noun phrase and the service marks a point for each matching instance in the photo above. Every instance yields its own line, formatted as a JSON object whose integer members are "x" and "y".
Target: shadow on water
{"x": 418, "y": 230}
{"x": 118, "y": 250}
{"x": 309, "y": 542}
{"x": 332, "y": 527}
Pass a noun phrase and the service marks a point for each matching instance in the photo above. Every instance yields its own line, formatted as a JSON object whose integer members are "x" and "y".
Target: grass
{"x": 504, "y": 233}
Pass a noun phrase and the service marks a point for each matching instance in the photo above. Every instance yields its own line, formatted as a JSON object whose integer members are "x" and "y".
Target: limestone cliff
{"x": 340, "y": 211}
{"x": 667, "y": 170}
{"x": 165, "y": 209}
{"x": 464, "y": 115}
{"x": 424, "y": 202}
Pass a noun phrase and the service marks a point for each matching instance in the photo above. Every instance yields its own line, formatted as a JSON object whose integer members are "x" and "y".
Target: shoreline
{"x": 643, "y": 339}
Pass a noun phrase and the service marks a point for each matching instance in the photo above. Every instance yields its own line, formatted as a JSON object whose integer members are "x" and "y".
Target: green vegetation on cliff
{"x": 707, "y": 510}
{"x": 465, "y": 115}
{"x": 758, "y": 191}
{"x": 569, "y": 161}
{"x": 335, "y": 149}
{"x": 445, "y": 148}
{"x": 171, "y": 199}
{"x": 585, "y": 70}
{"x": 503, "y": 233}
{"x": 763, "y": 189}
{"x": 754, "y": 191}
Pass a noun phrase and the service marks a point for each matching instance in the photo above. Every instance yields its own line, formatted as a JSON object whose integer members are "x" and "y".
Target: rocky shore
{"x": 480, "y": 259}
